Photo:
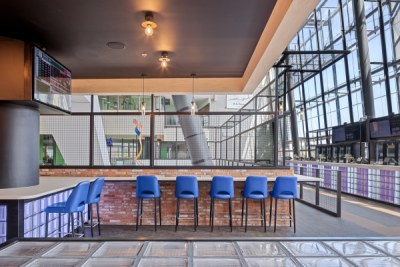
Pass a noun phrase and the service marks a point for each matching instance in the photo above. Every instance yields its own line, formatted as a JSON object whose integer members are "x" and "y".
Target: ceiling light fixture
{"x": 143, "y": 105}
{"x": 164, "y": 59}
{"x": 193, "y": 107}
{"x": 149, "y": 25}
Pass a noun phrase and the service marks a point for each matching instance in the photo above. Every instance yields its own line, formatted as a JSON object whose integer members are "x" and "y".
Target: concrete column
{"x": 293, "y": 118}
{"x": 19, "y": 145}
{"x": 363, "y": 55}
{"x": 193, "y": 132}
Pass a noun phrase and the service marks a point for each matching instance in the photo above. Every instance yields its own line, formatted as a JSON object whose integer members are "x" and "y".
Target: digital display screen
{"x": 52, "y": 81}
{"x": 395, "y": 125}
{"x": 379, "y": 129}
{"x": 338, "y": 134}
{"x": 352, "y": 132}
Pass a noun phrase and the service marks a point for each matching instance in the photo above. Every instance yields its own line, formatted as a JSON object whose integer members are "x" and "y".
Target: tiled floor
{"x": 376, "y": 252}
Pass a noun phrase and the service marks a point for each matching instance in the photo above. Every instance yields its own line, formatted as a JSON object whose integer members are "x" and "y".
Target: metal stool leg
{"x": 90, "y": 212}
{"x": 82, "y": 224}
{"x": 276, "y": 208}
{"x": 69, "y": 223}
{"x": 265, "y": 221}
{"x": 197, "y": 212}
{"x": 294, "y": 216}
{"x": 270, "y": 211}
{"x": 98, "y": 217}
{"x": 155, "y": 214}
{"x": 72, "y": 224}
{"x": 247, "y": 212}
{"x": 230, "y": 214}
{"x": 212, "y": 214}
{"x": 261, "y": 212}
{"x": 210, "y": 211}
{"x": 194, "y": 213}
{"x": 177, "y": 214}
{"x": 241, "y": 224}
{"x": 137, "y": 213}
{"x": 46, "y": 231}
{"x": 141, "y": 211}
{"x": 159, "y": 208}
{"x": 290, "y": 214}
{"x": 59, "y": 225}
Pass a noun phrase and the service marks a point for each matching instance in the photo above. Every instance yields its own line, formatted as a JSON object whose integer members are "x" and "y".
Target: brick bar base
{"x": 118, "y": 204}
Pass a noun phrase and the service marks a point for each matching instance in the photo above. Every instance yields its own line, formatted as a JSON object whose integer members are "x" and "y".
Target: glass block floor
{"x": 373, "y": 252}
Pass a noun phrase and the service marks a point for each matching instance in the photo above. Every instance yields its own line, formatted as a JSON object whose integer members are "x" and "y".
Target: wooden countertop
{"x": 50, "y": 185}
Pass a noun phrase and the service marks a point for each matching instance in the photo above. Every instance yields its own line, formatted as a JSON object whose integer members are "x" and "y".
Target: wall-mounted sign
{"x": 237, "y": 101}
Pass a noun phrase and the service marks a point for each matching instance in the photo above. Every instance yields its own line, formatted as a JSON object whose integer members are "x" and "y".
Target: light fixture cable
{"x": 193, "y": 107}
{"x": 143, "y": 106}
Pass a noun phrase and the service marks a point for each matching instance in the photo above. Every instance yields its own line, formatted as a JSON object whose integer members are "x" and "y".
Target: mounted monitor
{"x": 51, "y": 82}
{"x": 379, "y": 129}
{"x": 338, "y": 134}
{"x": 395, "y": 125}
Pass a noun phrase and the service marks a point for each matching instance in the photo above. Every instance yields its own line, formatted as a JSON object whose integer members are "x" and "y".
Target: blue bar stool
{"x": 186, "y": 187}
{"x": 221, "y": 188}
{"x": 256, "y": 187}
{"x": 96, "y": 187}
{"x": 75, "y": 203}
{"x": 147, "y": 187}
{"x": 285, "y": 187}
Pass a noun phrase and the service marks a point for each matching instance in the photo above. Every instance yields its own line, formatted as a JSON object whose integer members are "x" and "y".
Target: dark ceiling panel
{"x": 213, "y": 38}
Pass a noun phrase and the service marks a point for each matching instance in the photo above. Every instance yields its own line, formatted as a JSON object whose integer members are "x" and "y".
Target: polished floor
{"x": 360, "y": 218}
{"x": 203, "y": 253}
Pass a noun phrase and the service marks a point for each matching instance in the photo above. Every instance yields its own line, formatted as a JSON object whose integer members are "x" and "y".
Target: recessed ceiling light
{"x": 143, "y": 54}
{"x": 116, "y": 45}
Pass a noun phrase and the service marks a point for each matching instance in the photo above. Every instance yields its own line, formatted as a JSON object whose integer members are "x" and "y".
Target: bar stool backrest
{"x": 186, "y": 185}
{"x": 285, "y": 186}
{"x": 77, "y": 200}
{"x": 256, "y": 186}
{"x": 222, "y": 185}
{"x": 96, "y": 187}
{"x": 147, "y": 184}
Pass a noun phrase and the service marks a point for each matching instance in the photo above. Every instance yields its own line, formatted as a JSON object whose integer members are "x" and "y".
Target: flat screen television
{"x": 338, "y": 134}
{"x": 395, "y": 125}
{"x": 51, "y": 82}
{"x": 379, "y": 129}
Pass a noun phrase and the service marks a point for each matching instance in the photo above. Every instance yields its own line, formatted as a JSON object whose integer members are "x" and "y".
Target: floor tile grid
{"x": 288, "y": 254}
{"x": 31, "y": 258}
{"x": 338, "y": 255}
{"x": 348, "y": 258}
{"x": 239, "y": 255}
{"x": 83, "y": 260}
{"x": 141, "y": 254}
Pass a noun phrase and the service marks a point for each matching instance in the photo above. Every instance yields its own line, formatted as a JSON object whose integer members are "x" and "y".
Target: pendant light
{"x": 149, "y": 25}
{"x": 143, "y": 105}
{"x": 164, "y": 59}
{"x": 193, "y": 107}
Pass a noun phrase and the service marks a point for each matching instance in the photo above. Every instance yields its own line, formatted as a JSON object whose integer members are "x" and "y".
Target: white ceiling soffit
{"x": 294, "y": 19}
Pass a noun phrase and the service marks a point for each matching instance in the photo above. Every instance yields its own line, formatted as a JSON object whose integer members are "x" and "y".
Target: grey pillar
{"x": 193, "y": 132}
{"x": 363, "y": 55}
{"x": 293, "y": 118}
{"x": 19, "y": 145}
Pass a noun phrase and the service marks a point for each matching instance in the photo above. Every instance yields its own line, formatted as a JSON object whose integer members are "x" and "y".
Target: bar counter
{"x": 24, "y": 207}
{"x": 50, "y": 185}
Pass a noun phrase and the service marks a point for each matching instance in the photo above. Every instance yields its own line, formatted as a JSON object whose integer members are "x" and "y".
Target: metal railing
{"x": 325, "y": 195}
